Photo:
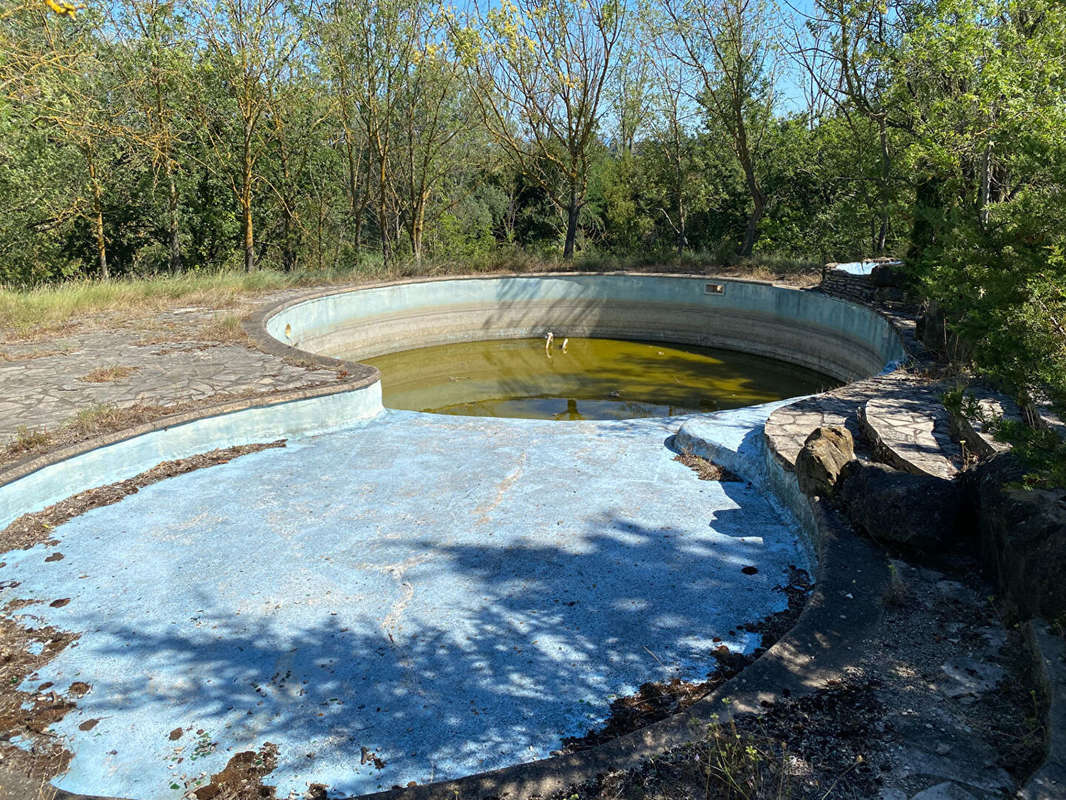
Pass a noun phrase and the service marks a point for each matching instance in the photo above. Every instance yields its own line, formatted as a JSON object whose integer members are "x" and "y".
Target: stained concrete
{"x": 33, "y": 485}
{"x": 453, "y": 594}
{"x": 810, "y": 329}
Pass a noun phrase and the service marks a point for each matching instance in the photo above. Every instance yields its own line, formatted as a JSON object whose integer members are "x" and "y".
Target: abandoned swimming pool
{"x": 447, "y": 594}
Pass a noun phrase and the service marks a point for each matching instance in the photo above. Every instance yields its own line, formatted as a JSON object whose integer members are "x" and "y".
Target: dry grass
{"x": 115, "y": 372}
{"x": 722, "y": 762}
{"x": 53, "y": 308}
{"x": 31, "y": 355}
{"x": 87, "y": 423}
{"x": 107, "y": 419}
{"x": 226, "y": 329}
{"x": 29, "y": 440}
{"x": 47, "y": 310}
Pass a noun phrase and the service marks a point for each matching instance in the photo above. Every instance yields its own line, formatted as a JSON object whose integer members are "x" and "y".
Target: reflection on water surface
{"x": 591, "y": 379}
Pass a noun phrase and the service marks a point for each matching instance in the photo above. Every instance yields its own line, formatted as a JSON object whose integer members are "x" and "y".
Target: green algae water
{"x": 590, "y": 379}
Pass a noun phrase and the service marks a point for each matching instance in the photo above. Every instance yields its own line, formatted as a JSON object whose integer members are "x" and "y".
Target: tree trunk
{"x": 752, "y": 229}
{"x": 174, "y": 244}
{"x": 357, "y": 196}
{"x": 758, "y": 199}
{"x": 172, "y": 218}
{"x": 246, "y": 204}
{"x": 288, "y": 247}
{"x": 572, "y": 213}
{"x": 418, "y": 226}
{"x": 98, "y": 216}
{"x": 682, "y": 237}
{"x": 679, "y": 197}
{"x": 249, "y": 239}
{"x": 884, "y": 188}
{"x": 383, "y": 211}
{"x": 289, "y": 225}
{"x": 881, "y": 237}
{"x": 928, "y": 207}
{"x": 985, "y": 196}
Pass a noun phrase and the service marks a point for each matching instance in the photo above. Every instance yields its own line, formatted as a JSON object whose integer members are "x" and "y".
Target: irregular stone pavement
{"x": 897, "y": 415}
{"x": 172, "y": 357}
{"x": 789, "y": 426}
{"x": 912, "y": 429}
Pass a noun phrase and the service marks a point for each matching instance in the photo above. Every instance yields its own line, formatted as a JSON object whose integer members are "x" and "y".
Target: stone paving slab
{"x": 789, "y": 426}
{"x": 900, "y": 415}
{"x": 989, "y": 406}
{"x": 169, "y": 360}
{"x": 911, "y": 430}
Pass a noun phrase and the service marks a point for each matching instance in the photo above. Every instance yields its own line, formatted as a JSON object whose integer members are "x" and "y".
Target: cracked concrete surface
{"x": 351, "y": 567}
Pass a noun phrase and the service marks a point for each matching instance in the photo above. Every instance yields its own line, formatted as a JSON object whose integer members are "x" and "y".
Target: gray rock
{"x": 955, "y": 591}
{"x": 968, "y": 676}
{"x": 824, "y": 454}
{"x": 919, "y": 512}
{"x": 1022, "y": 535}
{"x": 944, "y": 791}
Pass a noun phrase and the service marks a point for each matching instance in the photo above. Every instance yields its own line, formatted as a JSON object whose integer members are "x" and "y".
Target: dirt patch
{"x": 658, "y": 700}
{"x": 797, "y": 589}
{"x": 227, "y": 329}
{"x": 242, "y": 777}
{"x": 36, "y": 528}
{"x": 947, "y": 650}
{"x": 31, "y": 755}
{"x": 942, "y": 690}
{"x": 115, "y": 372}
{"x": 706, "y": 470}
{"x": 811, "y": 748}
{"x": 30, "y": 355}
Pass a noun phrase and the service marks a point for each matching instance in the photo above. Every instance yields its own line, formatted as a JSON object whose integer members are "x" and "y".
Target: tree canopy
{"x": 146, "y": 136}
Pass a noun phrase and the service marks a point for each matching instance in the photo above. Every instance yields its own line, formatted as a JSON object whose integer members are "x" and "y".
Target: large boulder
{"x": 1022, "y": 535}
{"x": 824, "y": 454}
{"x": 915, "y": 512}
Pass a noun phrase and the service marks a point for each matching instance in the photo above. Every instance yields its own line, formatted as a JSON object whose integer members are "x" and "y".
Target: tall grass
{"x": 51, "y": 307}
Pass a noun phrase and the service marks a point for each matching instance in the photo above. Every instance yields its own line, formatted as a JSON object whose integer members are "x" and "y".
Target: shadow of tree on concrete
{"x": 553, "y": 626}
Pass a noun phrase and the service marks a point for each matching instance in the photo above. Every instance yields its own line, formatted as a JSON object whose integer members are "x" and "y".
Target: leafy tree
{"x": 249, "y": 44}
{"x": 541, "y": 70}
{"x": 730, "y": 46}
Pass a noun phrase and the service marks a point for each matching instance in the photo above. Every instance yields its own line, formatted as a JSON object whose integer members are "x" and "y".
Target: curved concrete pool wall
{"x": 838, "y": 338}
{"x": 37, "y": 485}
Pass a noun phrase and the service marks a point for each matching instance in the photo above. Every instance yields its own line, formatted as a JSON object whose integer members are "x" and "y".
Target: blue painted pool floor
{"x": 451, "y": 594}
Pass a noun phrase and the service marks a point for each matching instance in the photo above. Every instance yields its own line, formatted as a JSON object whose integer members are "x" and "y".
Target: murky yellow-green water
{"x": 591, "y": 379}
